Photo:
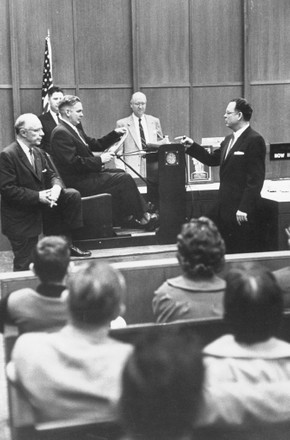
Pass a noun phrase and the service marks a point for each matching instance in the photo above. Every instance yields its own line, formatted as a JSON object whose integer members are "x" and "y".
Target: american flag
{"x": 47, "y": 80}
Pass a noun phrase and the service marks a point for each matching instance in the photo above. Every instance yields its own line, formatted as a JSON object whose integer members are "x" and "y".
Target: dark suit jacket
{"x": 19, "y": 186}
{"x": 74, "y": 158}
{"x": 48, "y": 124}
{"x": 242, "y": 173}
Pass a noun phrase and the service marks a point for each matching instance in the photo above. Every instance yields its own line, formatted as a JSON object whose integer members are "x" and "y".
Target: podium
{"x": 166, "y": 189}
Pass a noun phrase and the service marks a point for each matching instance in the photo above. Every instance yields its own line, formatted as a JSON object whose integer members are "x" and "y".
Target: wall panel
{"x": 5, "y": 66}
{"x": 216, "y": 41}
{"x": 164, "y": 43}
{"x": 104, "y": 45}
{"x": 270, "y": 40}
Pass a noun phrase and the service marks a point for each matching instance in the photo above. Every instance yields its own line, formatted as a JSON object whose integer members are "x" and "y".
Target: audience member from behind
{"x": 161, "y": 388}
{"x": 283, "y": 277}
{"x": 43, "y": 309}
{"x": 198, "y": 292}
{"x": 74, "y": 374}
{"x": 247, "y": 372}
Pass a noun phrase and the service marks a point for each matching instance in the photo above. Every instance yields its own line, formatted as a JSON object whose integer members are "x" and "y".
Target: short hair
{"x": 51, "y": 257}
{"x": 136, "y": 94}
{"x": 243, "y": 106}
{"x": 95, "y": 293}
{"x": 161, "y": 386}
{"x": 253, "y": 303}
{"x": 201, "y": 248}
{"x": 54, "y": 89}
{"x": 68, "y": 101}
{"x": 22, "y": 120}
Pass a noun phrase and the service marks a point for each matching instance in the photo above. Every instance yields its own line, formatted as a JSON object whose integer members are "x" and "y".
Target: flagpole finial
{"x": 48, "y": 33}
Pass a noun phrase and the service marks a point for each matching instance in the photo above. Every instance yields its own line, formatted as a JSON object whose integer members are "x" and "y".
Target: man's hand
{"x": 106, "y": 157}
{"x": 241, "y": 217}
{"x": 121, "y": 130}
{"x": 44, "y": 196}
{"x": 184, "y": 140}
{"x": 54, "y": 194}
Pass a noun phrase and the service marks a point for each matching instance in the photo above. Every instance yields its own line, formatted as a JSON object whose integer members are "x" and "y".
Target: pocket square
{"x": 44, "y": 171}
{"x": 239, "y": 153}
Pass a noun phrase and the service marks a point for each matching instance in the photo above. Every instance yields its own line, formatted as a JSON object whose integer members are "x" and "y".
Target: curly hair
{"x": 201, "y": 248}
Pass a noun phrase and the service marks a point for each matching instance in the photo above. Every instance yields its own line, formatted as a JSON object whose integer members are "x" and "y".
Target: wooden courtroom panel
{"x": 55, "y": 16}
{"x": 163, "y": 42}
{"x": 104, "y": 42}
{"x": 217, "y": 41}
{"x": 143, "y": 277}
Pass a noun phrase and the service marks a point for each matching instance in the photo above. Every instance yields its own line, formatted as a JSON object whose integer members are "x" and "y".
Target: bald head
{"x": 138, "y": 104}
{"x": 28, "y": 129}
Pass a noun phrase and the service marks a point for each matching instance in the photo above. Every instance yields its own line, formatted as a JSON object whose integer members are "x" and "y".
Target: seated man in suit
{"x": 31, "y": 190}
{"x": 49, "y": 120}
{"x": 142, "y": 129}
{"x": 73, "y": 155}
{"x": 74, "y": 374}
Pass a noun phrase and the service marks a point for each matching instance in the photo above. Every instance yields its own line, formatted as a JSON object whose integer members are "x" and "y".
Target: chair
{"x": 97, "y": 217}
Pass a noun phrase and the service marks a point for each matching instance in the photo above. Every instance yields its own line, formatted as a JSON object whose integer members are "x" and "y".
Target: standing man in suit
{"x": 73, "y": 154}
{"x": 30, "y": 189}
{"x": 241, "y": 158}
{"x": 49, "y": 120}
{"x": 133, "y": 143}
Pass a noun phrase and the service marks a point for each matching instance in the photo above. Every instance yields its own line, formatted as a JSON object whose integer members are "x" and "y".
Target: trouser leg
{"x": 22, "y": 249}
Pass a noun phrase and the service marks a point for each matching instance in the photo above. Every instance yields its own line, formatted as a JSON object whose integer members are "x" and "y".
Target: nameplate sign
{"x": 280, "y": 151}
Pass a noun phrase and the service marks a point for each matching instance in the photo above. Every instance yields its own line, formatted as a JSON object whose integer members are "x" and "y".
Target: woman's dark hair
{"x": 161, "y": 387}
{"x": 253, "y": 304}
{"x": 201, "y": 248}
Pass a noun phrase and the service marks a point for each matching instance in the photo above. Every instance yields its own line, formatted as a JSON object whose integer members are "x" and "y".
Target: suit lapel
{"x": 132, "y": 130}
{"x": 26, "y": 162}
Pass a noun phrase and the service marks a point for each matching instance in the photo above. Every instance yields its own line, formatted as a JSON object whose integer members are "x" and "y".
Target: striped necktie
{"x": 142, "y": 136}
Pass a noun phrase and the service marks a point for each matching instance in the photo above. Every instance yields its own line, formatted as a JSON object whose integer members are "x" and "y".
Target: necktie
{"x": 81, "y": 136}
{"x": 32, "y": 161}
{"x": 142, "y": 136}
{"x": 230, "y": 145}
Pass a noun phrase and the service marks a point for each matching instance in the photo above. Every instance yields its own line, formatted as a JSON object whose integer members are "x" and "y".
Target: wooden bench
{"x": 143, "y": 277}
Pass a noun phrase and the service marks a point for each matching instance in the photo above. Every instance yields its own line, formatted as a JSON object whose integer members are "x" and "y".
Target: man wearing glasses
{"x": 241, "y": 158}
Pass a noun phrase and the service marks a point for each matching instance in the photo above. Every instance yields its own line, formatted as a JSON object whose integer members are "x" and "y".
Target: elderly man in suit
{"x": 139, "y": 126}
{"x": 241, "y": 158}
{"x": 31, "y": 189}
{"x": 49, "y": 120}
{"x": 80, "y": 161}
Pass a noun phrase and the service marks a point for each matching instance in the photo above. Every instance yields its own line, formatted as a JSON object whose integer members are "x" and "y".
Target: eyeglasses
{"x": 230, "y": 113}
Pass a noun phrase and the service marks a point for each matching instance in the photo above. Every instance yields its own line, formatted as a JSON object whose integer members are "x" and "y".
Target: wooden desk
{"x": 276, "y": 197}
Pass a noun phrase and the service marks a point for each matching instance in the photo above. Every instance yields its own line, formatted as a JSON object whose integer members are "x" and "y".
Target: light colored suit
{"x": 133, "y": 144}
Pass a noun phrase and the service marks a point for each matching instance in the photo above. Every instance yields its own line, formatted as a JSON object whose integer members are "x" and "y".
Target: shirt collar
{"x": 240, "y": 131}
{"x": 24, "y": 147}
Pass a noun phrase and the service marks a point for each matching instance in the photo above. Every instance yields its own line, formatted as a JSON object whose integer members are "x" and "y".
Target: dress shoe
{"x": 76, "y": 252}
{"x": 153, "y": 223}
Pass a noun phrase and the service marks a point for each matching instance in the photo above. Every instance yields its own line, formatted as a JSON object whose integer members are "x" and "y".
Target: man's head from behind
{"x": 51, "y": 258}
{"x": 71, "y": 109}
{"x": 253, "y": 304}
{"x": 138, "y": 104}
{"x": 95, "y": 293}
{"x": 161, "y": 387}
{"x": 55, "y": 95}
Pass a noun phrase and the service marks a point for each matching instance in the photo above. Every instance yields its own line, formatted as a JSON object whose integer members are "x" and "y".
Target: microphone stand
{"x": 136, "y": 172}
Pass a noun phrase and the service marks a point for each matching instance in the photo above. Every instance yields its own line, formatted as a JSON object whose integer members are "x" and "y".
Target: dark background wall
{"x": 190, "y": 57}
